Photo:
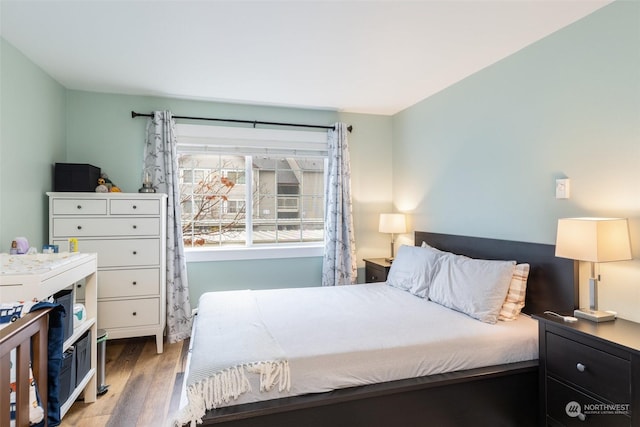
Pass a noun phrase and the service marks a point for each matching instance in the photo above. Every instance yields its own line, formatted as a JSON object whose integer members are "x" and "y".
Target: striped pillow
{"x": 517, "y": 291}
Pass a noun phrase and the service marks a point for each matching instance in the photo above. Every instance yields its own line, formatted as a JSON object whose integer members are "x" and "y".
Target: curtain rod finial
{"x": 350, "y": 128}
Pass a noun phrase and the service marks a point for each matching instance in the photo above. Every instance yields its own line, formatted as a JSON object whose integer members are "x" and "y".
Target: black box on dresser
{"x": 79, "y": 177}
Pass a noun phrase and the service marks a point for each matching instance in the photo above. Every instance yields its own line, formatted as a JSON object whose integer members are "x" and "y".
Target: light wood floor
{"x": 144, "y": 387}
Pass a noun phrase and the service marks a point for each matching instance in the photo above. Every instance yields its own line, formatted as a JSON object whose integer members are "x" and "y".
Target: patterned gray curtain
{"x": 161, "y": 162}
{"x": 339, "y": 263}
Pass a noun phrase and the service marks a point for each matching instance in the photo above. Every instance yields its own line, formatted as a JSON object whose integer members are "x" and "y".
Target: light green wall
{"x": 32, "y": 139}
{"x": 481, "y": 157}
{"x": 101, "y": 132}
{"x": 371, "y": 182}
{"x": 254, "y": 274}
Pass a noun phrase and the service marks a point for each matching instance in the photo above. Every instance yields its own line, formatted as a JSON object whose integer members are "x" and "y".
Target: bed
{"x": 503, "y": 393}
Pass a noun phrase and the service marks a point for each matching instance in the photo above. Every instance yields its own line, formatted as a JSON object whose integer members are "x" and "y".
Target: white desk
{"x": 25, "y": 277}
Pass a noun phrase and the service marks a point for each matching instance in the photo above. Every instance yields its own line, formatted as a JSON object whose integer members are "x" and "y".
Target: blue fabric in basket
{"x": 54, "y": 351}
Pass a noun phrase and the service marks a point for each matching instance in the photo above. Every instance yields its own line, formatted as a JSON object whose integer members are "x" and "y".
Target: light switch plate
{"x": 562, "y": 188}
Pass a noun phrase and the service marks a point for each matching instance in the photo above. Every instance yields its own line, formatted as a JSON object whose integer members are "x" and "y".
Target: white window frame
{"x": 249, "y": 141}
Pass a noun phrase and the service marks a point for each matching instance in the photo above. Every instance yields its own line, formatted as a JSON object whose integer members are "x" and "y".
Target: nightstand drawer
{"x": 375, "y": 273}
{"x": 565, "y": 404}
{"x": 599, "y": 372}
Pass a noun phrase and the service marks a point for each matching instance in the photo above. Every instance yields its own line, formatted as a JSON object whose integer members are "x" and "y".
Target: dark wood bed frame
{"x": 502, "y": 395}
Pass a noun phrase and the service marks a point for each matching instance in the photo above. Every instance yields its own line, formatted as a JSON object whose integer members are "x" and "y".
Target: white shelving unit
{"x": 27, "y": 277}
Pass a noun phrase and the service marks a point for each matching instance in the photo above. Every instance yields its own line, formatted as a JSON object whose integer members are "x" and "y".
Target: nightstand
{"x": 589, "y": 372}
{"x": 376, "y": 270}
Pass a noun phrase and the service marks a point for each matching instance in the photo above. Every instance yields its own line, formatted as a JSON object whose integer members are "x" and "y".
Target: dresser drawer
{"x": 129, "y": 283}
{"x": 79, "y": 207}
{"x": 565, "y": 404}
{"x": 134, "y": 207}
{"x": 128, "y": 313}
{"x": 600, "y": 372}
{"x": 121, "y": 253}
{"x": 85, "y": 227}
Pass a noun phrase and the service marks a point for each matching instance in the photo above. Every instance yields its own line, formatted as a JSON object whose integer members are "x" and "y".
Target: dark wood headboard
{"x": 552, "y": 283}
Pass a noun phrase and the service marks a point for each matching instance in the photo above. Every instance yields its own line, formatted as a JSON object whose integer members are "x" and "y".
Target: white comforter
{"x": 336, "y": 337}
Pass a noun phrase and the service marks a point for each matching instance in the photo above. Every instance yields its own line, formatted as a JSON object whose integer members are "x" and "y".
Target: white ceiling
{"x": 357, "y": 56}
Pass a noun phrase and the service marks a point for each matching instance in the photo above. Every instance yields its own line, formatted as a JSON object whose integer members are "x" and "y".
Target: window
{"x": 239, "y": 193}
{"x": 234, "y": 176}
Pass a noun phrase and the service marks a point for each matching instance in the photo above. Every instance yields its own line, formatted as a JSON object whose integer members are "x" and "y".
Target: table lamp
{"x": 593, "y": 240}
{"x": 392, "y": 223}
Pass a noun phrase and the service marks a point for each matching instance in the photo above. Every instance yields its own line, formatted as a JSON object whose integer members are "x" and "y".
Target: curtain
{"x": 161, "y": 163}
{"x": 339, "y": 263}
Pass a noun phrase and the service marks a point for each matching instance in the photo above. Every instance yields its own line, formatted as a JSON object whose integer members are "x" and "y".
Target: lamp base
{"x": 594, "y": 315}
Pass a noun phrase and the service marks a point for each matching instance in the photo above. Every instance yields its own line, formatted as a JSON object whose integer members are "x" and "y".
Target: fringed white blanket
{"x": 232, "y": 343}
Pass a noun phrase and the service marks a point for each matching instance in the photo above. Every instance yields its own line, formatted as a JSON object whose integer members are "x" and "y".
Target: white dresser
{"x": 127, "y": 231}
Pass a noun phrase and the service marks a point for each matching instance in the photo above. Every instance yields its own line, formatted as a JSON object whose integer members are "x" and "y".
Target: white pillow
{"x": 475, "y": 287}
{"x": 430, "y": 256}
{"x": 412, "y": 269}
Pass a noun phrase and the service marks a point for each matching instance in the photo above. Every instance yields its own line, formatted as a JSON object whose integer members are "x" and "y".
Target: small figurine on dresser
{"x": 105, "y": 185}
{"x": 19, "y": 246}
{"x": 102, "y": 187}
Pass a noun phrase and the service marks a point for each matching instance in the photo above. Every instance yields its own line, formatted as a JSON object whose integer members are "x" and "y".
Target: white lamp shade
{"x": 593, "y": 239}
{"x": 392, "y": 223}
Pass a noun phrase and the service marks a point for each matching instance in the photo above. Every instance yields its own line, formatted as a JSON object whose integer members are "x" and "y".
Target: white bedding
{"x": 336, "y": 337}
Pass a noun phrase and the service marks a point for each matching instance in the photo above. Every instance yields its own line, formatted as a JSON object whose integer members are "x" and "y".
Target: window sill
{"x": 249, "y": 253}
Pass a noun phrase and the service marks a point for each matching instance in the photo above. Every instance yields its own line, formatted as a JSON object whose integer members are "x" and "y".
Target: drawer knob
{"x": 79, "y": 227}
{"x": 135, "y": 226}
{"x": 580, "y": 367}
{"x": 135, "y": 313}
{"x": 134, "y": 283}
{"x": 79, "y": 206}
{"x": 135, "y": 207}
{"x": 135, "y": 252}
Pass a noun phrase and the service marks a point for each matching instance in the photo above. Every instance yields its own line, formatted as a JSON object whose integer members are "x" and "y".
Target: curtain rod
{"x": 253, "y": 122}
